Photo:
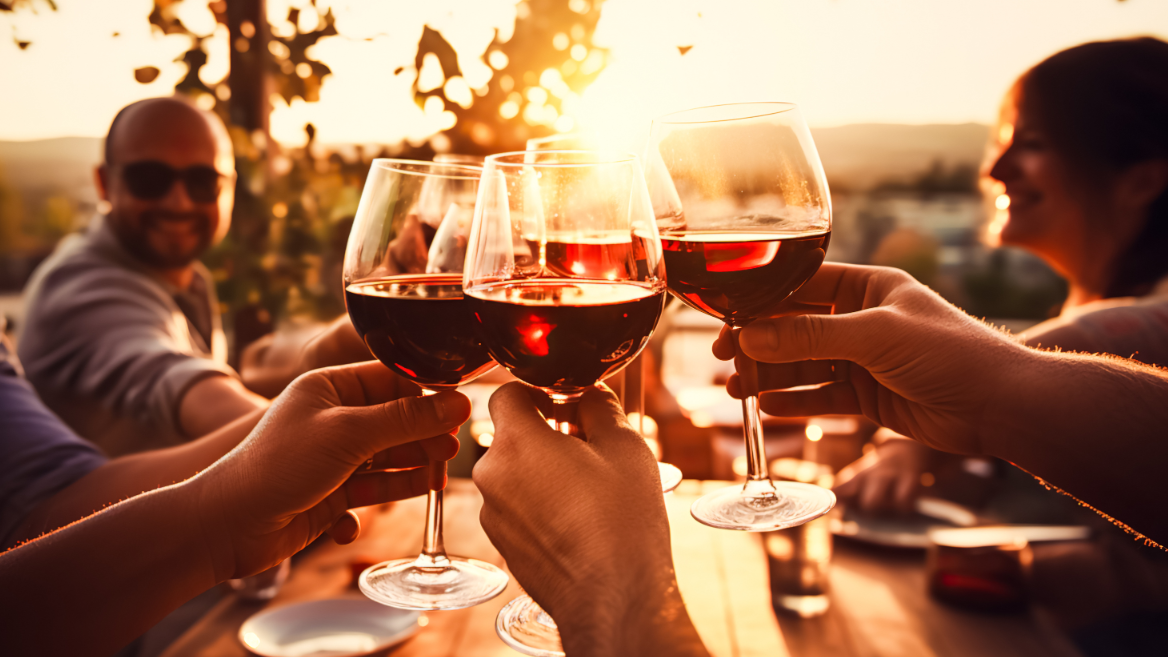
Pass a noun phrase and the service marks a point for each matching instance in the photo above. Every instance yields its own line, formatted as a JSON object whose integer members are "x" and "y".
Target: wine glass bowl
{"x": 744, "y": 213}
{"x": 631, "y": 382}
{"x": 403, "y": 291}
{"x": 564, "y": 271}
{"x": 564, "y": 274}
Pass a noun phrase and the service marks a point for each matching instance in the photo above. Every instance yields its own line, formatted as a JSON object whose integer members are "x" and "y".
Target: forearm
{"x": 1095, "y": 427}
{"x": 93, "y": 586}
{"x": 268, "y": 367}
{"x": 127, "y": 476}
{"x": 214, "y": 402}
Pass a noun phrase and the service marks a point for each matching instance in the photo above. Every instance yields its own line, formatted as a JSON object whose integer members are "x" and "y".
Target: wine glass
{"x": 403, "y": 291}
{"x": 744, "y": 214}
{"x": 565, "y": 277}
{"x": 632, "y": 387}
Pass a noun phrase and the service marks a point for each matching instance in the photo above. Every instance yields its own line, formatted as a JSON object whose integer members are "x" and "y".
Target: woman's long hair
{"x": 1104, "y": 106}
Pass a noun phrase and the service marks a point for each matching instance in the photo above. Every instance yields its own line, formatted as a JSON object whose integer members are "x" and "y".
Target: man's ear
{"x": 101, "y": 177}
{"x": 1142, "y": 183}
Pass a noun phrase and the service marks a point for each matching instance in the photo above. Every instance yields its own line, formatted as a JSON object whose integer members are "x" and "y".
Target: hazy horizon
{"x": 846, "y": 62}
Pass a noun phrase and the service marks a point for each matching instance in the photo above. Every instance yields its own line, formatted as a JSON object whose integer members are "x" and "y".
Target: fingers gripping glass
{"x": 564, "y": 274}
{"x": 403, "y": 291}
{"x": 632, "y": 383}
{"x": 150, "y": 180}
{"x": 743, "y": 209}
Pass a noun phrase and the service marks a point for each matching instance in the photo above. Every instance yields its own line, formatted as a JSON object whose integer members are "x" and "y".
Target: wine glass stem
{"x": 564, "y": 417}
{"x": 756, "y": 462}
{"x": 633, "y": 392}
{"x": 433, "y": 548}
{"x": 433, "y": 554}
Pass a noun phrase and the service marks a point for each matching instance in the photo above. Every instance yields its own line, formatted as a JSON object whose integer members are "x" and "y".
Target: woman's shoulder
{"x": 1129, "y": 327}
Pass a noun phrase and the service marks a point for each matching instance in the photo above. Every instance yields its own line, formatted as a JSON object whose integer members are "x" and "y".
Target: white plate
{"x": 910, "y": 531}
{"x": 336, "y": 627}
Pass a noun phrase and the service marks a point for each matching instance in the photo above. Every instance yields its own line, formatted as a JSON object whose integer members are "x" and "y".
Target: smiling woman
{"x": 1084, "y": 163}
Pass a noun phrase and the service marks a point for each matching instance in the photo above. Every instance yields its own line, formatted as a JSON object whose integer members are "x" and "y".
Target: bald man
{"x": 123, "y": 338}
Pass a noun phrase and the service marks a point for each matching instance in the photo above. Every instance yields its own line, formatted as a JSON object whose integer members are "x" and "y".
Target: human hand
{"x": 583, "y": 526}
{"x": 921, "y": 366}
{"x": 296, "y": 475}
{"x": 886, "y": 479}
{"x": 408, "y": 253}
{"x": 338, "y": 344}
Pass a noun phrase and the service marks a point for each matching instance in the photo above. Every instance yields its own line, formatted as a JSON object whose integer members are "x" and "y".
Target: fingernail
{"x": 449, "y": 408}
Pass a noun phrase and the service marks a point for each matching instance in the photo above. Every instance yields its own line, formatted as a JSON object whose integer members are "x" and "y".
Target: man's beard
{"x": 161, "y": 252}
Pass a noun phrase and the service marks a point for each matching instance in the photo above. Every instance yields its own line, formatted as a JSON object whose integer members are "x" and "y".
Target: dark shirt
{"x": 39, "y": 455}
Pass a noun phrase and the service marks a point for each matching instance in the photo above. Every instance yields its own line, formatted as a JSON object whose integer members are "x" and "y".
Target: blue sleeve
{"x": 39, "y": 455}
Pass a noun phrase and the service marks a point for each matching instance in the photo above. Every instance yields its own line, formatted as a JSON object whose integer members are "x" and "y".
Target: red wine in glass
{"x": 420, "y": 326}
{"x": 739, "y": 277}
{"x": 403, "y": 291}
{"x": 564, "y": 335}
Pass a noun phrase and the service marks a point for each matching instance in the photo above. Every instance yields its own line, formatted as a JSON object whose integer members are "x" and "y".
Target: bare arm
{"x": 99, "y": 582}
{"x": 130, "y": 475}
{"x": 213, "y": 402}
{"x": 128, "y": 566}
{"x": 1094, "y": 426}
{"x": 272, "y": 362}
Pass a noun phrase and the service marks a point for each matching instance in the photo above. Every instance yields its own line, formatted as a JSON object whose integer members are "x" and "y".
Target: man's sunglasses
{"x": 150, "y": 180}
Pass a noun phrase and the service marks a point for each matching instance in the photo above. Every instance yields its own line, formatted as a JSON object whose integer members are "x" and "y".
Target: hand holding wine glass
{"x": 403, "y": 290}
{"x": 745, "y": 218}
{"x": 549, "y": 502}
{"x": 564, "y": 275}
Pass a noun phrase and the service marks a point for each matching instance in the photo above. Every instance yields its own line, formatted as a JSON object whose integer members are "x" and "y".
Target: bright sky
{"x": 844, "y": 61}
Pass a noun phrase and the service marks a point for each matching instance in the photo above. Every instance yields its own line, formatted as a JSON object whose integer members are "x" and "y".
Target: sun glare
{"x": 843, "y": 62}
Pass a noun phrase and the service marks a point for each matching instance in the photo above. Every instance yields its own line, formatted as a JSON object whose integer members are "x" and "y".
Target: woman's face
{"x": 1048, "y": 211}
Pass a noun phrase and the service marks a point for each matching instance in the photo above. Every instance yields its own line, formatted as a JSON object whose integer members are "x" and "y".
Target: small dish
{"x": 908, "y": 531}
{"x": 334, "y": 627}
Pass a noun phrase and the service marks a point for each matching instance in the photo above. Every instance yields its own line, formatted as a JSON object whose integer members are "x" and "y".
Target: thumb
{"x": 382, "y": 426}
{"x": 812, "y": 337}
{"x": 602, "y": 419}
{"x": 516, "y": 416}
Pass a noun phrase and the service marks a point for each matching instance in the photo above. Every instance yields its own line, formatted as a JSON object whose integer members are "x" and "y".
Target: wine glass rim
{"x": 433, "y": 169}
{"x": 603, "y": 157}
{"x": 777, "y": 107}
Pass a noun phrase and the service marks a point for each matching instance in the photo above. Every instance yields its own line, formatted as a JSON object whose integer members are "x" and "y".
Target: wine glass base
{"x": 763, "y": 506}
{"x": 670, "y": 477}
{"x": 526, "y": 628}
{"x": 463, "y": 583}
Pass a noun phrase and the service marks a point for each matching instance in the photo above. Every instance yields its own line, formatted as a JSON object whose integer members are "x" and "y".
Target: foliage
{"x": 549, "y": 59}
{"x": 271, "y": 261}
{"x": 294, "y": 208}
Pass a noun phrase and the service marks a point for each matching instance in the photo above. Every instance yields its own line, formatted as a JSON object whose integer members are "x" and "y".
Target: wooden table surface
{"x": 880, "y": 608}
{"x": 879, "y": 605}
{"x": 722, "y": 576}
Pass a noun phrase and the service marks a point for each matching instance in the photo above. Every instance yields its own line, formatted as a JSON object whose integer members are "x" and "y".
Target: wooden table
{"x": 879, "y": 605}
{"x": 722, "y": 576}
{"x": 880, "y": 608}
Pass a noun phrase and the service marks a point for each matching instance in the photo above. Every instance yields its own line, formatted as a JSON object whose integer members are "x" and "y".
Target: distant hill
{"x": 63, "y": 165}
{"x": 854, "y": 156}
{"x": 861, "y": 155}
